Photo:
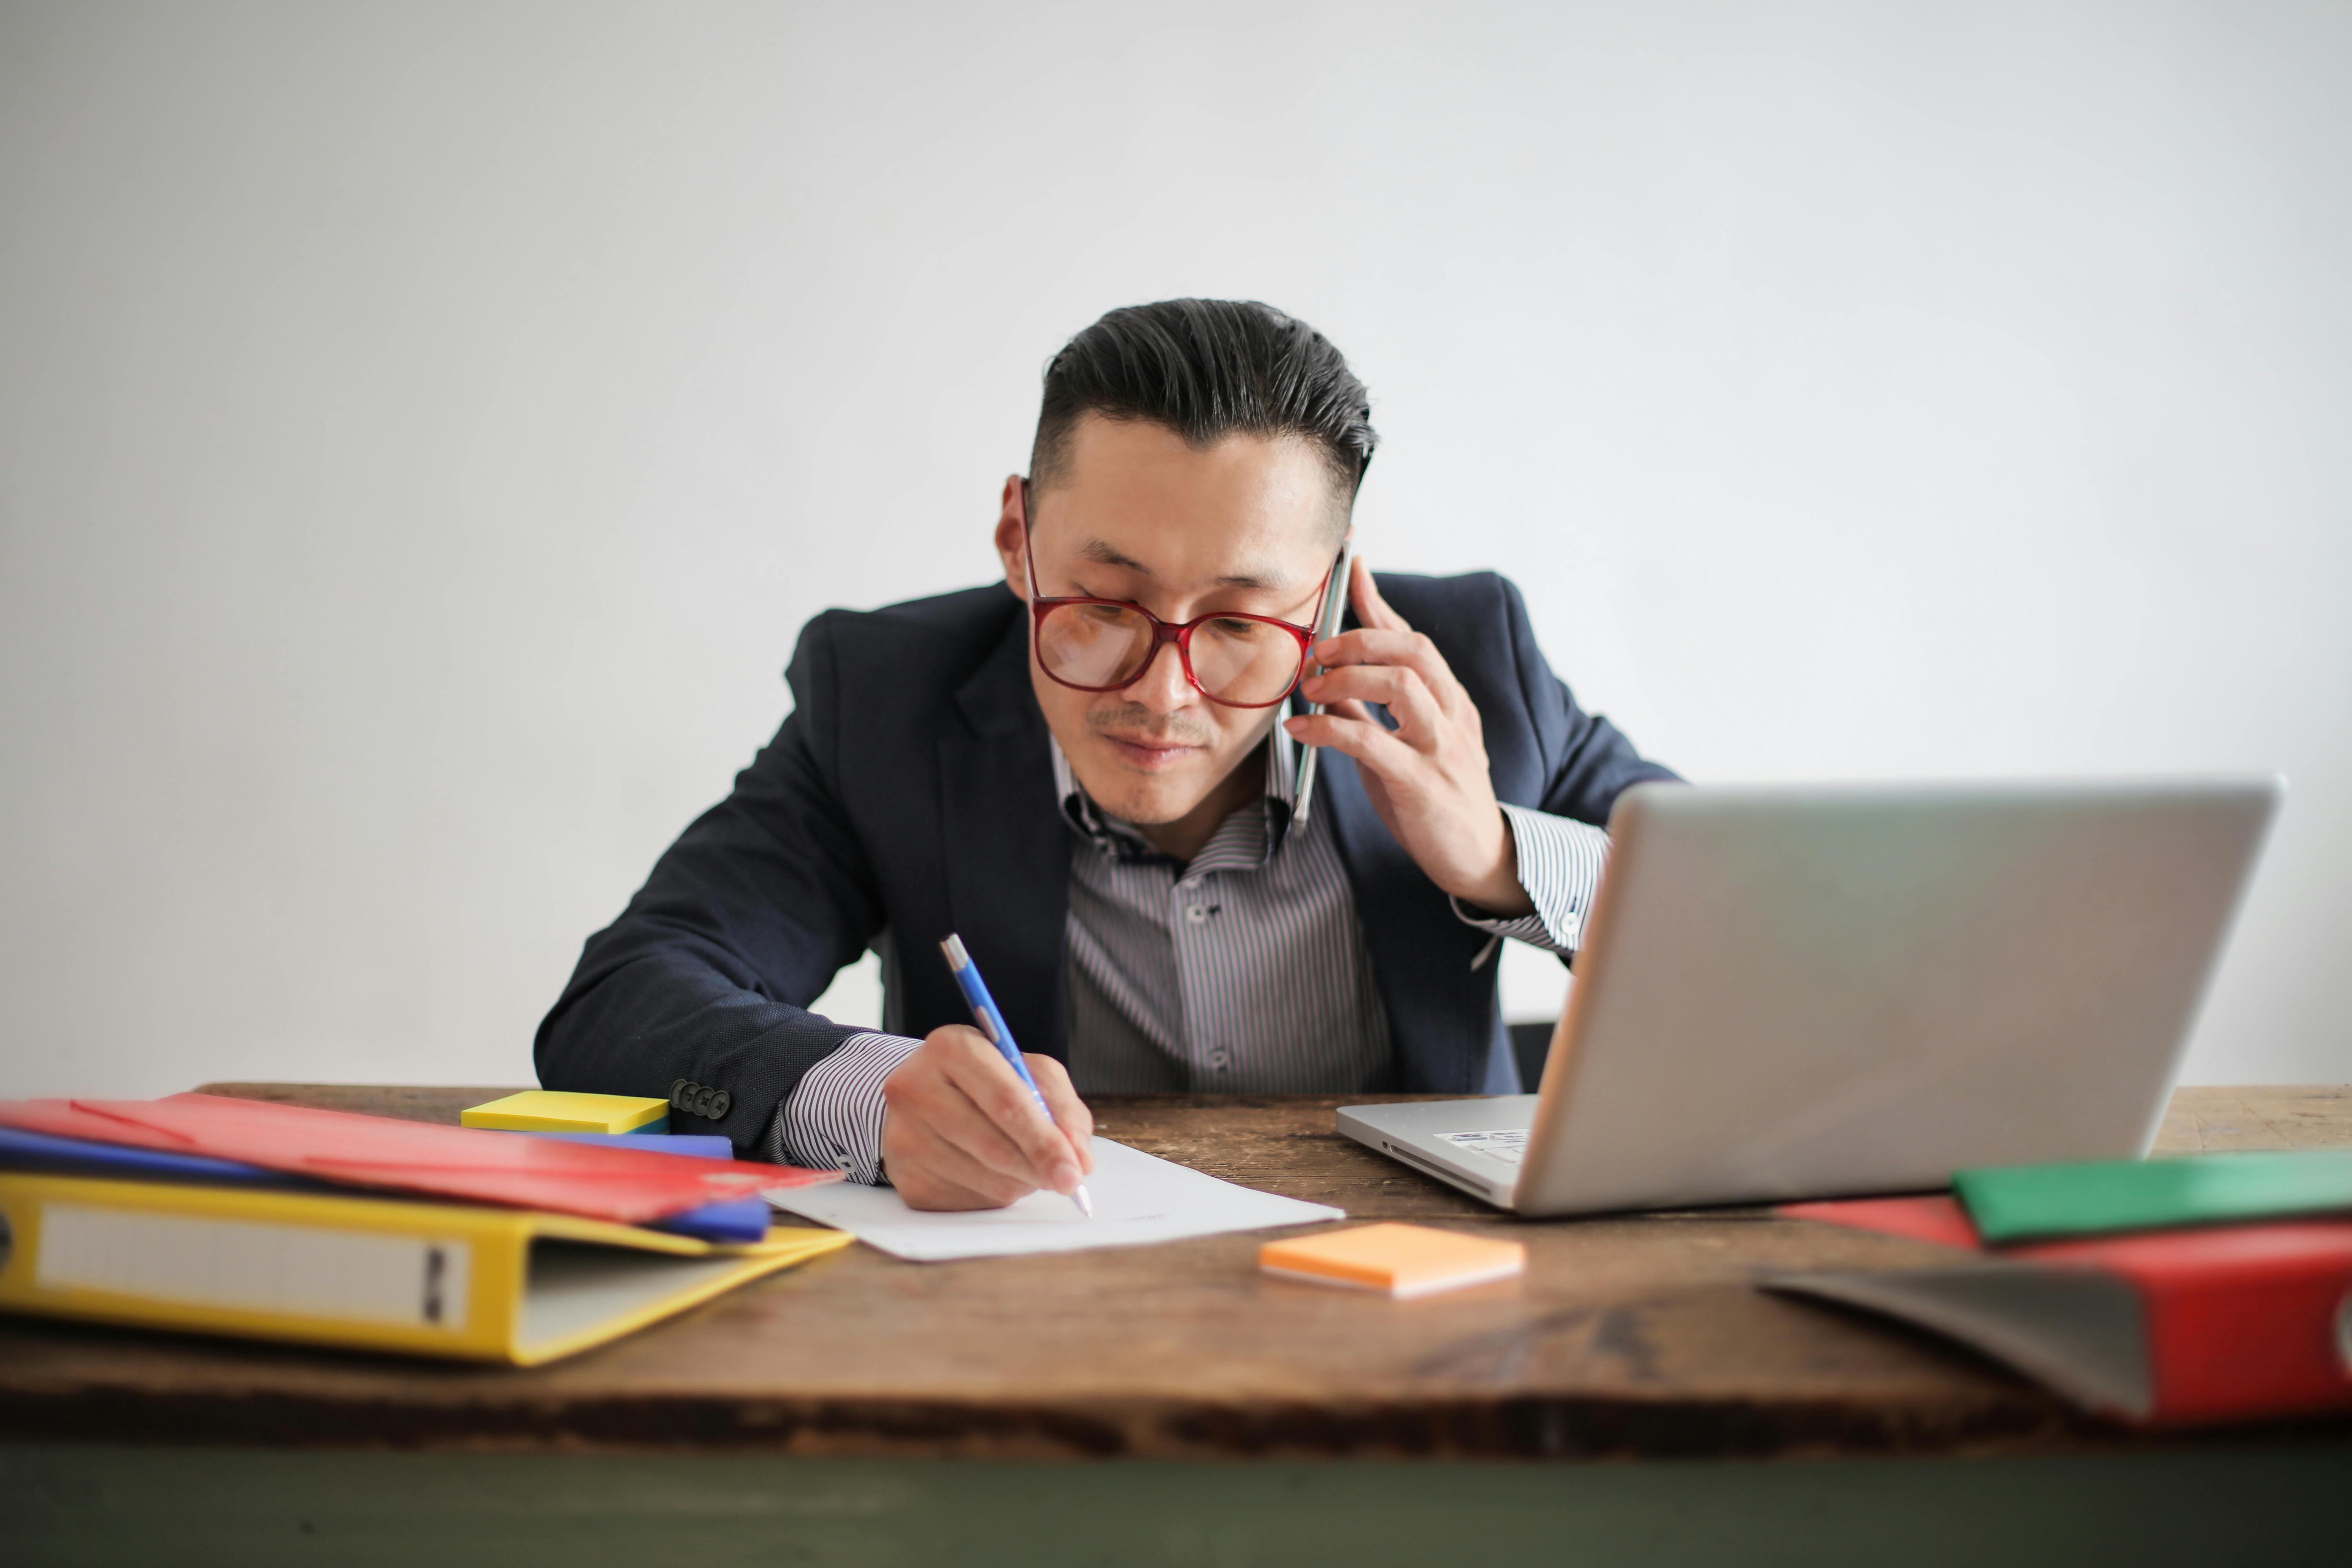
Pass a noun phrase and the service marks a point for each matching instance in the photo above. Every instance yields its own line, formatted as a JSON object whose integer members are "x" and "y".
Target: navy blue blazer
{"x": 911, "y": 793}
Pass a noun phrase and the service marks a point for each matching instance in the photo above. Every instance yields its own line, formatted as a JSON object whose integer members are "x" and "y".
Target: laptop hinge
{"x": 1470, "y": 1184}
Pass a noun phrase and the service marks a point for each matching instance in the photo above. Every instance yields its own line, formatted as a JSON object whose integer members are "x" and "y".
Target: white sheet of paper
{"x": 1139, "y": 1198}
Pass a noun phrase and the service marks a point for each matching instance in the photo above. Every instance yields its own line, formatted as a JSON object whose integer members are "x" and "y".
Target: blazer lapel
{"x": 1439, "y": 1009}
{"x": 1008, "y": 860}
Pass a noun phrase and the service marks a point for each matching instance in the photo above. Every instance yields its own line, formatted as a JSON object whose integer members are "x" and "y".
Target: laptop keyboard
{"x": 1507, "y": 1146}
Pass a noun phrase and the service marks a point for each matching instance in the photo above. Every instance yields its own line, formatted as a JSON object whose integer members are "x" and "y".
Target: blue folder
{"x": 708, "y": 1145}
{"x": 22, "y": 1151}
{"x": 735, "y": 1220}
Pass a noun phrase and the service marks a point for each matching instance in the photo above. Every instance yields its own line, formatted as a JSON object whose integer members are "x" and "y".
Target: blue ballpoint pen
{"x": 1000, "y": 1035}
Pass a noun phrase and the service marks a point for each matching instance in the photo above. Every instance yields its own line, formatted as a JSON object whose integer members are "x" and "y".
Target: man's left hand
{"x": 1427, "y": 778}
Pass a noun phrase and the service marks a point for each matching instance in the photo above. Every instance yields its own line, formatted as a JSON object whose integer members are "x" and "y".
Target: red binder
{"x": 2159, "y": 1328}
{"x": 598, "y": 1181}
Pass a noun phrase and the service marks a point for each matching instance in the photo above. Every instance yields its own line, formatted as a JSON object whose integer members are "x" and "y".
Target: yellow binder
{"x": 444, "y": 1279}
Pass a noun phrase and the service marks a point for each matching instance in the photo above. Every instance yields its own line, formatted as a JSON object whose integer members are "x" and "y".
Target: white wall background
{"x": 423, "y": 428}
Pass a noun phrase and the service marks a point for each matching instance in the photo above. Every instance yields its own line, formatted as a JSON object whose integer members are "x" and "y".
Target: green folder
{"x": 2018, "y": 1202}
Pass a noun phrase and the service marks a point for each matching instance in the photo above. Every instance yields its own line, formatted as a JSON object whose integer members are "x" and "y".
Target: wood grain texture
{"x": 1628, "y": 1336}
{"x": 2279, "y": 1116}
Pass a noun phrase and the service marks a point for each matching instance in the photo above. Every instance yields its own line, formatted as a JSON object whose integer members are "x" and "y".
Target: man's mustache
{"x": 1132, "y": 721}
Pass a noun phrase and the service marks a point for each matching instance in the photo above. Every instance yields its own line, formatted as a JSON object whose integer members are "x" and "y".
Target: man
{"x": 1087, "y": 773}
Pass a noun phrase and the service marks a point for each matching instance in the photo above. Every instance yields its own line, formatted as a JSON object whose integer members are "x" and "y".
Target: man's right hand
{"x": 960, "y": 1131}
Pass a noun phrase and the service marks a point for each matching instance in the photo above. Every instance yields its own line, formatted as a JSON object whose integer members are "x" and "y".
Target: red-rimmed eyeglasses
{"x": 1105, "y": 644}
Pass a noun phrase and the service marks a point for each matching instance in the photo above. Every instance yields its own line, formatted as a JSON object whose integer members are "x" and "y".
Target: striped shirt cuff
{"x": 832, "y": 1120}
{"x": 1560, "y": 862}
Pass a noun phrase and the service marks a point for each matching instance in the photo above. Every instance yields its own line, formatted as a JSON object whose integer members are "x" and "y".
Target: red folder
{"x": 2159, "y": 1328}
{"x": 598, "y": 1181}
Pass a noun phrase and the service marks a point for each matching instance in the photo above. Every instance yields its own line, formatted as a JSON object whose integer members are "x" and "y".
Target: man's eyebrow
{"x": 1103, "y": 553}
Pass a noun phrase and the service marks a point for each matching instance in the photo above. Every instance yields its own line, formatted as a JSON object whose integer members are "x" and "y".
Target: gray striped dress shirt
{"x": 1243, "y": 971}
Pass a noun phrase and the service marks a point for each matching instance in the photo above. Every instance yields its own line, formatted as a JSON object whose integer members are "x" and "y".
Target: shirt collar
{"x": 1122, "y": 838}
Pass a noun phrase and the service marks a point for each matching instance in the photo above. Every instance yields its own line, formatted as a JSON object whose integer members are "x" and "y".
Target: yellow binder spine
{"x": 371, "y": 1273}
{"x": 440, "y": 1280}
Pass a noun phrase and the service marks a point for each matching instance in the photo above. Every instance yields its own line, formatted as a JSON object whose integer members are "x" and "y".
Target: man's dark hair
{"x": 1207, "y": 369}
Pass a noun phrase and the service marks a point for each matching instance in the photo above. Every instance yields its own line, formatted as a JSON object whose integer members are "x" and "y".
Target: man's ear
{"x": 1012, "y": 539}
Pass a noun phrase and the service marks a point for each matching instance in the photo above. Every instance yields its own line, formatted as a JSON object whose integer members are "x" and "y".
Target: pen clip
{"x": 967, "y": 979}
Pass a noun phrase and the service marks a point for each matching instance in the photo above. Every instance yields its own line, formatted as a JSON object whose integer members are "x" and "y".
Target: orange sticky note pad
{"x": 1402, "y": 1259}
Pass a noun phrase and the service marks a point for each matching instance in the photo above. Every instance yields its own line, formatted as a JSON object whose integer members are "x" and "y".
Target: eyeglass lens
{"x": 1105, "y": 645}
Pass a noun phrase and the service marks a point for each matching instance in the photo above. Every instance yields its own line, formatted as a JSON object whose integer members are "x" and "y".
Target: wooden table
{"x": 1630, "y": 1338}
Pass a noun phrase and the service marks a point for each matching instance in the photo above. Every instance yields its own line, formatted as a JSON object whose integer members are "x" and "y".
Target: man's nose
{"x": 1161, "y": 687}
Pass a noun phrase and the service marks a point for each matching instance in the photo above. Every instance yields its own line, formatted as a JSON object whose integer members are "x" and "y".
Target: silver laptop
{"x": 1811, "y": 991}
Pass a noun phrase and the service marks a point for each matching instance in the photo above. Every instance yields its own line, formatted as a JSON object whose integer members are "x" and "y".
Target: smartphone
{"x": 1327, "y": 624}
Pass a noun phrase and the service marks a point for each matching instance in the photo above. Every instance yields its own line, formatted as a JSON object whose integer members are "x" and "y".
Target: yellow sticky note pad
{"x": 556, "y": 1110}
{"x": 1402, "y": 1259}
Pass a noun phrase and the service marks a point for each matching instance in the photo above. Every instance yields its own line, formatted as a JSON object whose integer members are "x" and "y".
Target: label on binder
{"x": 195, "y": 1260}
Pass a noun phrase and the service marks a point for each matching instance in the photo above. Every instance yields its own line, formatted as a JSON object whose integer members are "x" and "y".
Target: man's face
{"x": 1248, "y": 525}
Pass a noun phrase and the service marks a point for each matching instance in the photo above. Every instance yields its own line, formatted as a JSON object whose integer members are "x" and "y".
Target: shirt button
{"x": 1217, "y": 1059}
{"x": 1198, "y": 914}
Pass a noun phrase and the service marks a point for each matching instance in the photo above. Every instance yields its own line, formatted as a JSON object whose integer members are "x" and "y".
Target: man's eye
{"x": 1240, "y": 629}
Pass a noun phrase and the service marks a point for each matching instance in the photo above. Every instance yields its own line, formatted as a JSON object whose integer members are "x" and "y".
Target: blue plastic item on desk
{"x": 735, "y": 1220}
{"x": 22, "y": 1151}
